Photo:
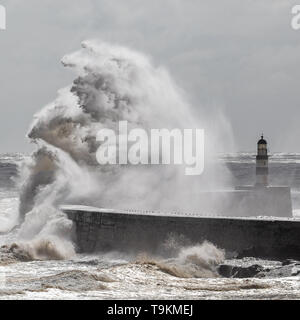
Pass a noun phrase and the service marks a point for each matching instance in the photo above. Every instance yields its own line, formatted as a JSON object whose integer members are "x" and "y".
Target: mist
{"x": 112, "y": 83}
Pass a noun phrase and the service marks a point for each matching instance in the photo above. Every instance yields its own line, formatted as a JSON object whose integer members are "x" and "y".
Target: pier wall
{"x": 106, "y": 230}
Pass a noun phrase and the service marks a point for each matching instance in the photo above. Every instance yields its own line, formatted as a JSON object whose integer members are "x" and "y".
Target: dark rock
{"x": 225, "y": 270}
{"x": 230, "y": 271}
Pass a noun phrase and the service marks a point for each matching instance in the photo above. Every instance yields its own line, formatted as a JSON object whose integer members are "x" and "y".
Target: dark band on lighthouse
{"x": 262, "y": 158}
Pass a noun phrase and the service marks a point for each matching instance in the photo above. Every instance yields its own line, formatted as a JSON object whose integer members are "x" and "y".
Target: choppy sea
{"x": 118, "y": 275}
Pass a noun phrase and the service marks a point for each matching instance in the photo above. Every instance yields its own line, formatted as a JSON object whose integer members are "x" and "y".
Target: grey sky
{"x": 239, "y": 56}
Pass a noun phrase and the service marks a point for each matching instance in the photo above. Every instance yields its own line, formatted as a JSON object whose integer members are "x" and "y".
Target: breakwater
{"x": 104, "y": 230}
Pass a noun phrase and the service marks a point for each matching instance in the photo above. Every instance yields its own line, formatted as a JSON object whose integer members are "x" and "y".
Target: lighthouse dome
{"x": 262, "y": 140}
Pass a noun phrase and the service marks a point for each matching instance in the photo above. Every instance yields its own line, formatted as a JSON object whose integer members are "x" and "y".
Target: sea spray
{"x": 113, "y": 84}
{"x": 197, "y": 261}
{"x": 9, "y": 214}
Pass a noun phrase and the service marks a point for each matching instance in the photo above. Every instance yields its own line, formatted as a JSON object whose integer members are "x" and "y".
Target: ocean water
{"x": 115, "y": 275}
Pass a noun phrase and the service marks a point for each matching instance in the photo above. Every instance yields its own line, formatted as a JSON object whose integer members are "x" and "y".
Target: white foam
{"x": 8, "y": 214}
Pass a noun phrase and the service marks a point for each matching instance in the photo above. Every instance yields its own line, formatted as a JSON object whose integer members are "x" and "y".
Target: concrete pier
{"x": 105, "y": 230}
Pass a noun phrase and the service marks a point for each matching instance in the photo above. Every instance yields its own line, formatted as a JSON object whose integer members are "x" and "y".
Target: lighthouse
{"x": 262, "y": 157}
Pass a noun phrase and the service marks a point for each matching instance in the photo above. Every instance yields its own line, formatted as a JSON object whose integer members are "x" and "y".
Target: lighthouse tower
{"x": 262, "y": 157}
